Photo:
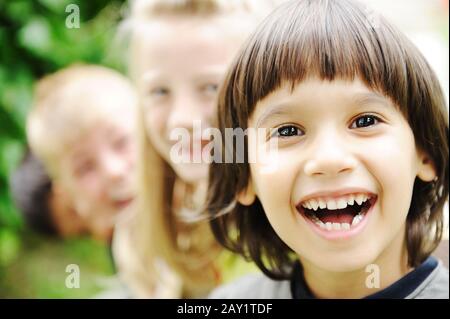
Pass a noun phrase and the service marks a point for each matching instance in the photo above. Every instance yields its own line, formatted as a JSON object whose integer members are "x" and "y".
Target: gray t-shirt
{"x": 258, "y": 286}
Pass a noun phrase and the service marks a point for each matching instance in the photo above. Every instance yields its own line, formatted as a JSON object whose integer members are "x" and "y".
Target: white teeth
{"x": 314, "y": 204}
{"x": 337, "y": 226}
{"x": 361, "y": 198}
{"x": 351, "y": 200}
{"x": 341, "y": 203}
{"x": 357, "y": 219}
{"x": 322, "y": 204}
{"x": 335, "y": 203}
{"x": 331, "y": 204}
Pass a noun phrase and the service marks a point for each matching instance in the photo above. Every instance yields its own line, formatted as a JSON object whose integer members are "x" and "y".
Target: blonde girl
{"x": 179, "y": 53}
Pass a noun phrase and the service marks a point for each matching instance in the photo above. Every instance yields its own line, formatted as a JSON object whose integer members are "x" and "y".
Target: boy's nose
{"x": 115, "y": 167}
{"x": 329, "y": 157}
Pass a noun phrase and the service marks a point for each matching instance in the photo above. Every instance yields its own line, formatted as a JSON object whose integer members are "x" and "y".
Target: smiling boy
{"x": 81, "y": 126}
{"x": 362, "y": 160}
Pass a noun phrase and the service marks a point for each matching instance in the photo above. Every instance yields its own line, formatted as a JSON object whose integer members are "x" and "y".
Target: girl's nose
{"x": 185, "y": 111}
{"x": 329, "y": 157}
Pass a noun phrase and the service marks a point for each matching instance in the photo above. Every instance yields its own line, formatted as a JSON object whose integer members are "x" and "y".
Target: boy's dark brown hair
{"x": 328, "y": 39}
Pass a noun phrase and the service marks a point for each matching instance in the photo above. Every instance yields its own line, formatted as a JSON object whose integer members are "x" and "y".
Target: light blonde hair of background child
{"x": 69, "y": 103}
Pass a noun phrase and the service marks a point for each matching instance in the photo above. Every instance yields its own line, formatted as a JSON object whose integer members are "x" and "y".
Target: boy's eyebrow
{"x": 370, "y": 98}
{"x": 359, "y": 99}
{"x": 276, "y": 110}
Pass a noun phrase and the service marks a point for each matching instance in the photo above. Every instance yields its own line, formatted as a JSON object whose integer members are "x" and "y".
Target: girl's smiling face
{"x": 180, "y": 64}
{"x": 343, "y": 149}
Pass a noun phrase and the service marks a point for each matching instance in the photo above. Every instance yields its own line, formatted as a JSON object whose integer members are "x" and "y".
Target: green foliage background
{"x": 35, "y": 41}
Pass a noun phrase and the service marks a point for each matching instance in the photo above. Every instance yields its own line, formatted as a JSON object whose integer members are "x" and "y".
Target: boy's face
{"x": 180, "y": 64}
{"x": 97, "y": 171}
{"x": 345, "y": 168}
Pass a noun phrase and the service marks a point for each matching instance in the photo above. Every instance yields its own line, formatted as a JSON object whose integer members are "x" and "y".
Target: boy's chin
{"x": 344, "y": 262}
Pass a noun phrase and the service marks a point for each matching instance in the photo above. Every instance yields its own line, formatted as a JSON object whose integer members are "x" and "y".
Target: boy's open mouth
{"x": 336, "y": 214}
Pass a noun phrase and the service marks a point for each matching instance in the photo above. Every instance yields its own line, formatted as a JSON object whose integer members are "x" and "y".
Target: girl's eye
{"x": 210, "y": 88}
{"x": 288, "y": 131}
{"x": 120, "y": 143}
{"x": 365, "y": 121}
{"x": 159, "y": 92}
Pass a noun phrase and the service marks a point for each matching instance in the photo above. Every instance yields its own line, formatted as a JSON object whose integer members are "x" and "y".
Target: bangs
{"x": 327, "y": 39}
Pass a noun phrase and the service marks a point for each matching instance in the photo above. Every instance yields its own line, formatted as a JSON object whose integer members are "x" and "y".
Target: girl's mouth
{"x": 195, "y": 151}
{"x": 338, "y": 215}
{"x": 123, "y": 203}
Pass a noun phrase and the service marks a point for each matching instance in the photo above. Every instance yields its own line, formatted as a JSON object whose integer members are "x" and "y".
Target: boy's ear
{"x": 247, "y": 196}
{"x": 427, "y": 169}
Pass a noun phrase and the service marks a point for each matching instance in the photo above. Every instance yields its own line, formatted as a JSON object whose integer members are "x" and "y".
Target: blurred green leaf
{"x": 11, "y": 153}
{"x": 9, "y": 246}
{"x": 8, "y": 126}
{"x": 55, "y": 5}
{"x": 35, "y": 36}
{"x": 19, "y": 11}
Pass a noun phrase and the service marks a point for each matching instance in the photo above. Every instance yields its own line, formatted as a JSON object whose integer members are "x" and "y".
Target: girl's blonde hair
{"x": 188, "y": 249}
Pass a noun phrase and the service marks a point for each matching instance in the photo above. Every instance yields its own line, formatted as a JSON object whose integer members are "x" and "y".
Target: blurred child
{"x": 179, "y": 54}
{"x": 81, "y": 128}
{"x": 45, "y": 209}
{"x": 352, "y": 204}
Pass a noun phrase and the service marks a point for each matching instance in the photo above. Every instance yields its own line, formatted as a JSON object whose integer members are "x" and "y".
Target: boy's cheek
{"x": 272, "y": 184}
{"x": 395, "y": 158}
{"x": 89, "y": 192}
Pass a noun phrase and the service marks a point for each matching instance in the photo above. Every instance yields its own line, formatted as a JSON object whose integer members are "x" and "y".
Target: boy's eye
{"x": 365, "y": 121}
{"x": 84, "y": 168}
{"x": 287, "y": 131}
